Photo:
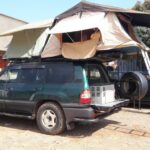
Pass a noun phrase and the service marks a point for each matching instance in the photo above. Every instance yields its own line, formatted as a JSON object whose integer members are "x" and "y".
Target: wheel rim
{"x": 49, "y": 118}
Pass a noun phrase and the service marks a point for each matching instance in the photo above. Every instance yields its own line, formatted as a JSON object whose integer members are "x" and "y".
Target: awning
{"x": 28, "y": 40}
{"x": 29, "y": 26}
{"x": 26, "y": 44}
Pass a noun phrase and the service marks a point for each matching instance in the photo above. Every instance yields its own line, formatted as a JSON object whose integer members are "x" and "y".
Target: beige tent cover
{"x": 79, "y": 50}
{"x": 87, "y": 20}
{"x": 113, "y": 34}
{"x": 53, "y": 47}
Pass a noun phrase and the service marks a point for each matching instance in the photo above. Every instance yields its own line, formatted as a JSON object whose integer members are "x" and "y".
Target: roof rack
{"x": 33, "y": 59}
{"x": 57, "y": 58}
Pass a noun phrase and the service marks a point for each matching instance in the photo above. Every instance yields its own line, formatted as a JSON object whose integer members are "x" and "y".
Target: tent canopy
{"x": 115, "y": 27}
{"x": 137, "y": 18}
{"x": 108, "y": 25}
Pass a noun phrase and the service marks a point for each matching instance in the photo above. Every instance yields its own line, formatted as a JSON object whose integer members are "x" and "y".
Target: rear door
{"x": 103, "y": 90}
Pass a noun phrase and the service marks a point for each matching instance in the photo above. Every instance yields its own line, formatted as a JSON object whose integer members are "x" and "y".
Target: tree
{"x": 138, "y": 6}
{"x": 143, "y": 32}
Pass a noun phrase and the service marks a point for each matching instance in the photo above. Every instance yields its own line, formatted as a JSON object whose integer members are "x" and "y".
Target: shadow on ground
{"x": 18, "y": 123}
{"x": 81, "y": 130}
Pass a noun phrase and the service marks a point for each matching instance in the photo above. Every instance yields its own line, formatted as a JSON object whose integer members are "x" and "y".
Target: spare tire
{"x": 133, "y": 85}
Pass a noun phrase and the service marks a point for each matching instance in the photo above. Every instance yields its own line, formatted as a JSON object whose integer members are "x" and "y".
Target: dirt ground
{"x": 125, "y": 130}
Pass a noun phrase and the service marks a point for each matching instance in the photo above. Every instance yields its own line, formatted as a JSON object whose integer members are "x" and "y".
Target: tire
{"x": 50, "y": 119}
{"x": 133, "y": 85}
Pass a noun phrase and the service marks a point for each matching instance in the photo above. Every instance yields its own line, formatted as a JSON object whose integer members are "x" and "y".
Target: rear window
{"x": 60, "y": 73}
{"x": 96, "y": 74}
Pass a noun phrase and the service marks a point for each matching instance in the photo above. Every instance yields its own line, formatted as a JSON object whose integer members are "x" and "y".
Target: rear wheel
{"x": 50, "y": 118}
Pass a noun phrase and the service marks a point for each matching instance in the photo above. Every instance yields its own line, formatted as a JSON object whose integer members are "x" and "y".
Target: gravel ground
{"x": 125, "y": 130}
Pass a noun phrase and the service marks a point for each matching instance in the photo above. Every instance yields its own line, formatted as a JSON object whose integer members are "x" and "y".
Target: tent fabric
{"x": 109, "y": 25}
{"x": 30, "y": 26}
{"x": 112, "y": 33}
{"x": 26, "y": 44}
{"x": 81, "y": 50}
{"x": 28, "y": 40}
{"x": 4, "y": 42}
{"x": 136, "y": 17}
{"x": 88, "y": 20}
{"x": 53, "y": 47}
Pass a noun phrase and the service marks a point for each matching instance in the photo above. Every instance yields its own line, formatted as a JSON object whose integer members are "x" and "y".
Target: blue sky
{"x": 36, "y": 10}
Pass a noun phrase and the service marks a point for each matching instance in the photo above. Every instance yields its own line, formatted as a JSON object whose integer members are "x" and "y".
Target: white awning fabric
{"x": 28, "y": 40}
{"x": 30, "y": 26}
{"x": 26, "y": 44}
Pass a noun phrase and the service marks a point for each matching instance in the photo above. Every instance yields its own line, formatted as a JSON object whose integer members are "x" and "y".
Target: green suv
{"x": 57, "y": 93}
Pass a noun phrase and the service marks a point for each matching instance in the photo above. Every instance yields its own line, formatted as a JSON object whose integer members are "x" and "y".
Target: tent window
{"x": 78, "y": 36}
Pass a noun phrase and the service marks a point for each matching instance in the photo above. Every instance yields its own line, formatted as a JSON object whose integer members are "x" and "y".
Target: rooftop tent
{"x": 114, "y": 26}
{"x": 28, "y": 40}
{"x": 136, "y": 17}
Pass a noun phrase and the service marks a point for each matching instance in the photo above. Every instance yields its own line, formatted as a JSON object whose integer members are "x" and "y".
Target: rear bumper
{"x": 113, "y": 105}
{"x": 93, "y": 113}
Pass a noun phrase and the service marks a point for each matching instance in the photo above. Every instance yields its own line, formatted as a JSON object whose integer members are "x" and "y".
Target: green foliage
{"x": 146, "y": 5}
{"x": 138, "y": 6}
{"x": 143, "y": 32}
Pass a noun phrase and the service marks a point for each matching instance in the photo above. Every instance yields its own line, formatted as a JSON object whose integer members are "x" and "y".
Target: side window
{"x": 60, "y": 73}
{"x": 28, "y": 75}
{"x": 13, "y": 75}
{"x": 96, "y": 74}
{"x": 4, "y": 77}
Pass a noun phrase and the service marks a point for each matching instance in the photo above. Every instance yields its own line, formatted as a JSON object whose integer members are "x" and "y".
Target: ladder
{"x": 146, "y": 60}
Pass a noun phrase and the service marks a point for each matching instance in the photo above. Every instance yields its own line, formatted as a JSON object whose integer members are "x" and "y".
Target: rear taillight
{"x": 85, "y": 97}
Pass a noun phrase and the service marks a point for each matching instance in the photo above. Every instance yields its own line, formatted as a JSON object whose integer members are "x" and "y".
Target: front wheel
{"x": 50, "y": 118}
